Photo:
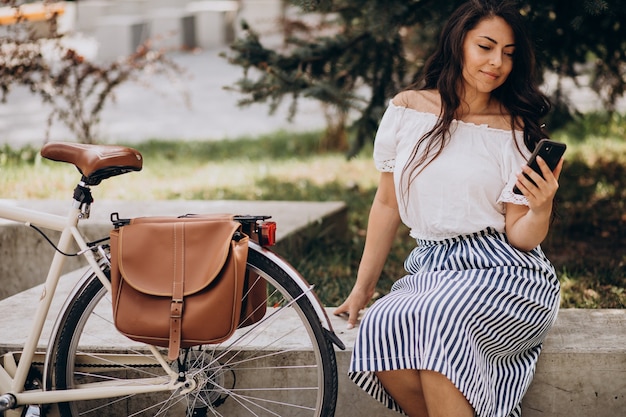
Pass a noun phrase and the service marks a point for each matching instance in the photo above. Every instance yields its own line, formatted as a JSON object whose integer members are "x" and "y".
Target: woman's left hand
{"x": 541, "y": 194}
{"x": 526, "y": 227}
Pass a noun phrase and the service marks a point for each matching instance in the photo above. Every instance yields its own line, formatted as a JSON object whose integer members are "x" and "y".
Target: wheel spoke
{"x": 280, "y": 366}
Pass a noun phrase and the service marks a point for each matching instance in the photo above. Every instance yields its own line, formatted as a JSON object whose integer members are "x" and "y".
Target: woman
{"x": 461, "y": 333}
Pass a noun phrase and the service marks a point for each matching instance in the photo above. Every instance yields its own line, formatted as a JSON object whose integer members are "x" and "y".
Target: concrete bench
{"x": 88, "y": 13}
{"x": 120, "y": 35}
{"x": 30, "y": 12}
{"x": 214, "y": 22}
{"x": 34, "y": 17}
{"x": 172, "y": 28}
{"x": 581, "y": 372}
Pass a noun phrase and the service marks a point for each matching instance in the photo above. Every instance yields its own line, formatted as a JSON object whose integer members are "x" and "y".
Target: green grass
{"x": 587, "y": 242}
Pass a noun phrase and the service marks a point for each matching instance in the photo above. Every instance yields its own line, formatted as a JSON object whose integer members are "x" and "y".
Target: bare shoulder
{"x": 426, "y": 101}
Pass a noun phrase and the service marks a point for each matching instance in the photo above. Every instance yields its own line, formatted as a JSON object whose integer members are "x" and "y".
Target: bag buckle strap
{"x": 176, "y": 324}
{"x": 176, "y": 306}
{"x": 176, "y": 309}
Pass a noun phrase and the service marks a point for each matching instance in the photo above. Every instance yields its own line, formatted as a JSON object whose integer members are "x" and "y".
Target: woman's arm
{"x": 527, "y": 226}
{"x": 382, "y": 226}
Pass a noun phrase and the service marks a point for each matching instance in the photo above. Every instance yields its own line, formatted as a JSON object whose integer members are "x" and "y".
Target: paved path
{"x": 142, "y": 113}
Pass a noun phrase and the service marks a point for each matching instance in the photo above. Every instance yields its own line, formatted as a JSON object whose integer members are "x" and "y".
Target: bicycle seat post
{"x": 83, "y": 199}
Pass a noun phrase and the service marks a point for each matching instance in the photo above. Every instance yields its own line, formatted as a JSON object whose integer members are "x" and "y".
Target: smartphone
{"x": 550, "y": 151}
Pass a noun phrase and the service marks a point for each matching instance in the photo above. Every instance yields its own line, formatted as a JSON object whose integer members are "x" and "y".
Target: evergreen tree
{"x": 353, "y": 56}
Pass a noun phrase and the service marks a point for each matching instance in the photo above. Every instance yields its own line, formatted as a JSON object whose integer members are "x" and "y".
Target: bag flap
{"x": 151, "y": 253}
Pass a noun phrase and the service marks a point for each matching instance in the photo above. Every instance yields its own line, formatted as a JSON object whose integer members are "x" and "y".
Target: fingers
{"x": 532, "y": 183}
{"x": 352, "y": 312}
{"x": 545, "y": 169}
{"x": 526, "y": 181}
{"x": 558, "y": 169}
{"x": 342, "y": 310}
{"x": 354, "y": 304}
{"x": 539, "y": 189}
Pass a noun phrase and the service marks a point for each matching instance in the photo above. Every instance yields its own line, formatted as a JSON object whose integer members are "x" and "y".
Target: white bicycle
{"x": 284, "y": 365}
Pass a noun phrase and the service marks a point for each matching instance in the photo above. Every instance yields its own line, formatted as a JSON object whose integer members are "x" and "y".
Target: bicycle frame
{"x": 23, "y": 390}
{"x": 13, "y": 377}
{"x": 13, "y": 380}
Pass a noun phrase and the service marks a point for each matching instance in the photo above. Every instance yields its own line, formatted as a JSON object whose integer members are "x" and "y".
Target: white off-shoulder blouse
{"x": 464, "y": 189}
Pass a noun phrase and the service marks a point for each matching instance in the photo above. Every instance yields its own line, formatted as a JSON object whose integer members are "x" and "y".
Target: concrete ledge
{"x": 120, "y": 35}
{"x": 214, "y": 22}
{"x": 172, "y": 28}
{"x": 88, "y": 13}
{"x": 25, "y": 265}
{"x": 581, "y": 371}
{"x": 30, "y": 12}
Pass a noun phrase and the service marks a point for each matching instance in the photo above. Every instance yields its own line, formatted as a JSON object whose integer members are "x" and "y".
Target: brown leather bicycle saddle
{"x": 95, "y": 162}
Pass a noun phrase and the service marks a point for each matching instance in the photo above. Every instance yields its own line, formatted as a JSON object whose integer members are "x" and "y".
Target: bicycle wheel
{"x": 283, "y": 365}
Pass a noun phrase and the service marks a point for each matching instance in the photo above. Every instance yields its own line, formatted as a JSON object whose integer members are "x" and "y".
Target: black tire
{"x": 281, "y": 366}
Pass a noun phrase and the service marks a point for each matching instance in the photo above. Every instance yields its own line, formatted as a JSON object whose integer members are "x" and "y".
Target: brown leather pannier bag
{"x": 180, "y": 282}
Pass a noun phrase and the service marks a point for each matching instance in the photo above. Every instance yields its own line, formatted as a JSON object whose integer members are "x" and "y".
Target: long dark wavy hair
{"x": 519, "y": 95}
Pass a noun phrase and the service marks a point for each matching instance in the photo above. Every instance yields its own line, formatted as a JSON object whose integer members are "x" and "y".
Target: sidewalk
{"x": 159, "y": 112}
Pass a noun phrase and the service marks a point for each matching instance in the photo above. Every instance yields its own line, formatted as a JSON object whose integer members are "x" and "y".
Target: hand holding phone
{"x": 550, "y": 151}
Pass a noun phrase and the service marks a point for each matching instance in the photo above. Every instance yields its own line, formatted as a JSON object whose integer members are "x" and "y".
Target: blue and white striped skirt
{"x": 472, "y": 308}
